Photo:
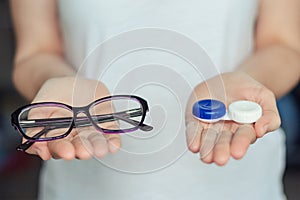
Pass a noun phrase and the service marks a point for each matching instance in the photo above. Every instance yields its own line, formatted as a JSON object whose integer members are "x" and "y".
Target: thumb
{"x": 270, "y": 121}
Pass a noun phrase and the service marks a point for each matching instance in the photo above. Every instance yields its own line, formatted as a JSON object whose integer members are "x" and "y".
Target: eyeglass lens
{"x": 117, "y": 114}
{"x": 34, "y": 120}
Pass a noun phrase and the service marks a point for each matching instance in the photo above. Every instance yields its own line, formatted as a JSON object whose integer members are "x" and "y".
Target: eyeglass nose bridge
{"x": 83, "y": 121}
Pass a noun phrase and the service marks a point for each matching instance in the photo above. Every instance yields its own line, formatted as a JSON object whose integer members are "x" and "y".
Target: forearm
{"x": 39, "y": 45}
{"x": 31, "y": 73}
{"x": 276, "y": 67}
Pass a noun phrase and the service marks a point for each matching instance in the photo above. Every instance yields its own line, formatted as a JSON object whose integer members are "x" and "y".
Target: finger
{"x": 113, "y": 141}
{"x": 62, "y": 149}
{"x": 37, "y": 148}
{"x": 270, "y": 119}
{"x": 93, "y": 142}
{"x": 268, "y": 122}
{"x": 208, "y": 142}
{"x": 99, "y": 144}
{"x": 222, "y": 148}
{"x": 83, "y": 149}
{"x": 40, "y": 149}
{"x": 193, "y": 136}
{"x": 241, "y": 141}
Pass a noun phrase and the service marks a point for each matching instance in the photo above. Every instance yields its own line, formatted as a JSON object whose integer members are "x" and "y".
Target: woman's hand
{"x": 219, "y": 141}
{"x": 82, "y": 142}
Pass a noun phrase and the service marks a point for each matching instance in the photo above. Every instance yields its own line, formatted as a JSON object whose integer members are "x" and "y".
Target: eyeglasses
{"x": 47, "y": 121}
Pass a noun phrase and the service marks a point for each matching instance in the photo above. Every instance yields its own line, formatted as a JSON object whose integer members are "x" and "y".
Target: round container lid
{"x": 245, "y": 112}
{"x": 209, "y": 109}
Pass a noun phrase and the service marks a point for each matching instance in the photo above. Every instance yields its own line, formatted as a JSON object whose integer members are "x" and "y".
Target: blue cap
{"x": 209, "y": 109}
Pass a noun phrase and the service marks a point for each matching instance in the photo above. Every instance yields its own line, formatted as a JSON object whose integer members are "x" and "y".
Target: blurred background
{"x": 19, "y": 173}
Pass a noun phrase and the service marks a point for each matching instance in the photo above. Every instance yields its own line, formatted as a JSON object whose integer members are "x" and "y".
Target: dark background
{"x": 19, "y": 172}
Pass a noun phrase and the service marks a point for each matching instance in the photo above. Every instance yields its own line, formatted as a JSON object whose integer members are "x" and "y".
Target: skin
{"x": 271, "y": 71}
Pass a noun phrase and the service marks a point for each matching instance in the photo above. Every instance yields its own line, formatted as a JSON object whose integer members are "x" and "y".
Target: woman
{"x": 253, "y": 43}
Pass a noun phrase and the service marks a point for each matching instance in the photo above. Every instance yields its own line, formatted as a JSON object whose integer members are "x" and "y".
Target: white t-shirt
{"x": 160, "y": 50}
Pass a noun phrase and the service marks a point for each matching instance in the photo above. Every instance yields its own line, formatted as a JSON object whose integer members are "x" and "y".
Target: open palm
{"x": 82, "y": 142}
{"x": 219, "y": 141}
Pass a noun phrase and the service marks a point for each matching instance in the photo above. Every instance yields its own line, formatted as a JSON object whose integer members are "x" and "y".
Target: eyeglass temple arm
{"x": 63, "y": 122}
{"x": 24, "y": 146}
{"x": 83, "y": 121}
{"x": 143, "y": 127}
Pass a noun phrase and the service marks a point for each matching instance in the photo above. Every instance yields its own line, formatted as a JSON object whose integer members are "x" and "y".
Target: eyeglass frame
{"x": 76, "y": 110}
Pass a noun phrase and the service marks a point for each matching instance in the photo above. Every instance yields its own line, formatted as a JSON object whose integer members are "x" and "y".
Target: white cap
{"x": 244, "y": 112}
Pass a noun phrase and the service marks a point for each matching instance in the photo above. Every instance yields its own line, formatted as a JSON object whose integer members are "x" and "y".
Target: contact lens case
{"x": 242, "y": 111}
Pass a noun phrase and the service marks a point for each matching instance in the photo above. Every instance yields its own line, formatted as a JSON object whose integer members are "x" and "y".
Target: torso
{"x": 224, "y": 30}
